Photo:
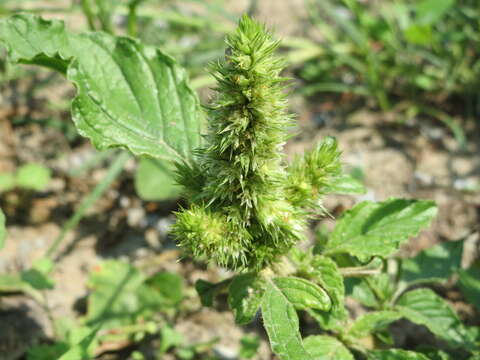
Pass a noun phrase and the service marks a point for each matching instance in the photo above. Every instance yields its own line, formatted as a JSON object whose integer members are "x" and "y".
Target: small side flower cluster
{"x": 247, "y": 208}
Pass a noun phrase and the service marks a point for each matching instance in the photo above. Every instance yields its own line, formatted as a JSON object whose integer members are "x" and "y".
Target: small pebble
{"x": 136, "y": 217}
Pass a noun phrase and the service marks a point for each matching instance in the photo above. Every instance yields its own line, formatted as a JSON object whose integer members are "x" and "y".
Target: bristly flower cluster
{"x": 247, "y": 209}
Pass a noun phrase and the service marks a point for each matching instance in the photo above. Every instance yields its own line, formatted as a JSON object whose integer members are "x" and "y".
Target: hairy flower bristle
{"x": 244, "y": 193}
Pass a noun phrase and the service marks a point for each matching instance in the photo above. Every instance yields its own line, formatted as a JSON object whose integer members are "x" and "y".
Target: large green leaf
{"x": 303, "y": 294}
{"x": 281, "y": 322}
{"x": 372, "y": 322}
{"x": 424, "y": 307}
{"x": 245, "y": 296}
{"x": 30, "y": 39}
{"x": 469, "y": 282}
{"x": 155, "y": 180}
{"x": 128, "y": 94}
{"x": 3, "y": 230}
{"x": 437, "y": 263}
{"x": 395, "y": 354}
{"x": 323, "y": 347}
{"x": 371, "y": 228}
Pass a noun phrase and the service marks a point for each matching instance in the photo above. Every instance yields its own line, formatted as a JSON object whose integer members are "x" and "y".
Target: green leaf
{"x": 373, "y": 322}
{"x": 323, "y": 347}
{"x": 395, "y": 355}
{"x": 431, "y": 11}
{"x": 419, "y": 34}
{"x": 303, "y": 294}
{"x": 329, "y": 277}
{"x": 435, "y": 264}
{"x": 377, "y": 229}
{"x": 44, "y": 265}
{"x": 469, "y": 282}
{"x": 346, "y": 184}
{"x": 360, "y": 291}
{"x": 169, "y": 285}
{"x": 474, "y": 333}
{"x": 373, "y": 291}
{"x": 14, "y": 283}
{"x": 245, "y": 296}
{"x": 3, "y": 230}
{"x": 325, "y": 271}
{"x": 38, "y": 275}
{"x": 81, "y": 345}
{"x": 32, "y": 39}
{"x": 206, "y": 291}
{"x": 169, "y": 338}
{"x": 128, "y": 94}
{"x": 281, "y": 322}
{"x": 155, "y": 180}
{"x": 47, "y": 352}
{"x": 33, "y": 177}
{"x": 10, "y": 283}
{"x": 83, "y": 350}
{"x": 424, "y": 307}
{"x": 434, "y": 354}
{"x": 119, "y": 295}
{"x": 63, "y": 326}
{"x": 249, "y": 345}
{"x": 7, "y": 182}
{"x": 113, "y": 285}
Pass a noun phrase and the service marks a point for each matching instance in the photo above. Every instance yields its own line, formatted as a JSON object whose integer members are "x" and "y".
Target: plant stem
{"x": 448, "y": 121}
{"x": 375, "y": 292}
{"x": 88, "y": 12}
{"x": 113, "y": 171}
{"x": 50, "y": 316}
{"x": 359, "y": 271}
{"x": 105, "y": 16}
{"x": 284, "y": 267}
{"x": 132, "y": 18}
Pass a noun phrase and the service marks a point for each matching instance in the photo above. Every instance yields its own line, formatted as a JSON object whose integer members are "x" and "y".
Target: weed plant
{"x": 247, "y": 210}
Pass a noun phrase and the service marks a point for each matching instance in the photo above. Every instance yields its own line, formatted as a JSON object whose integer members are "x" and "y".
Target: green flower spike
{"x": 246, "y": 208}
